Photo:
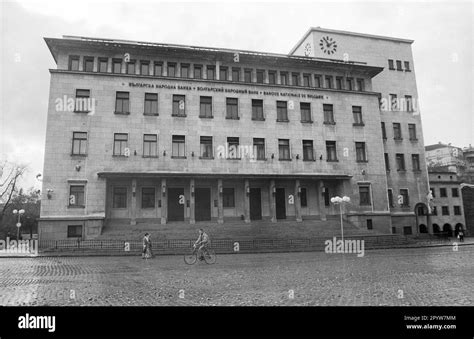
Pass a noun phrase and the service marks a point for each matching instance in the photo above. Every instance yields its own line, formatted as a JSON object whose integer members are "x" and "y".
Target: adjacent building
{"x": 161, "y": 133}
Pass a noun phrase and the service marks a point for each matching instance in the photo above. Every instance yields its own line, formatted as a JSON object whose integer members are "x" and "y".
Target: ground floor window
{"x": 120, "y": 197}
{"x": 407, "y": 230}
{"x": 74, "y": 231}
{"x": 303, "y": 197}
{"x": 148, "y": 197}
{"x": 228, "y": 196}
{"x": 76, "y": 195}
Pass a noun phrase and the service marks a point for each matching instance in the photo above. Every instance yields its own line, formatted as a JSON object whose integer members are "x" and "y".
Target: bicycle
{"x": 208, "y": 254}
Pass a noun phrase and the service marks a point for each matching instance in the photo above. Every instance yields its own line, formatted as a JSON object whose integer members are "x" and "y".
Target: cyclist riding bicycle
{"x": 202, "y": 241}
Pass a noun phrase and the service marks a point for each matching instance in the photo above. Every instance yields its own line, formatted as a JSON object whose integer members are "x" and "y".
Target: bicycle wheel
{"x": 190, "y": 258}
{"x": 210, "y": 256}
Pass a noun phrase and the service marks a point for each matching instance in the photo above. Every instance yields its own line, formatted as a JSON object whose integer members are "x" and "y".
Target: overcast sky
{"x": 443, "y": 50}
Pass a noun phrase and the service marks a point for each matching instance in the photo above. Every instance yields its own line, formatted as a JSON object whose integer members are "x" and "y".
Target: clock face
{"x": 307, "y": 49}
{"x": 328, "y": 45}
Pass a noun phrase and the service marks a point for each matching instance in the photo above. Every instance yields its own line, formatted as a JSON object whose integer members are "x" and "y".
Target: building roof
{"x": 334, "y": 31}
{"x": 67, "y": 42}
{"x": 437, "y": 146}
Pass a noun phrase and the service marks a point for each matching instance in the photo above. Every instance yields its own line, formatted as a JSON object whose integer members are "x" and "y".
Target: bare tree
{"x": 10, "y": 173}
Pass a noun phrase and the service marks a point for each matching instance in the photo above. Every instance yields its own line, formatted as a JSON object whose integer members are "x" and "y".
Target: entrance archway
{"x": 448, "y": 230}
{"x": 422, "y": 216}
{"x": 436, "y": 228}
{"x": 423, "y": 228}
{"x": 458, "y": 228}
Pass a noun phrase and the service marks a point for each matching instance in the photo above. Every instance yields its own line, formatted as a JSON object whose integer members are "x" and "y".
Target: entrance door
{"x": 255, "y": 204}
{"x": 203, "y": 204}
{"x": 280, "y": 202}
{"x": 175, "y": 209}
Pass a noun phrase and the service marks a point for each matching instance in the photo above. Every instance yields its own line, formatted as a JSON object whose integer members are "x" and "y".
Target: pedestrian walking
{"x": 147, "y": 251}
{"x": 461, "y": 235}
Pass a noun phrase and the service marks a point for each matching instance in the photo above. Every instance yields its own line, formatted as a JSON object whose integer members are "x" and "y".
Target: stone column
{"x": 320, "y": 196}
{"x": 298, "y": 202}
{"x": 218, "y": 70}
{"x": 133, "y": 207}
{"x": 164, "y": 201}
{"x": 272, "y": 190}
{"x": 220, "y": 202}
{"x": 247, "y": 201}
{"x": 192, "y": 203}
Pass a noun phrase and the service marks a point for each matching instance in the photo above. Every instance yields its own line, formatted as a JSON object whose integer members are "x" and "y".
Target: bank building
{"x": 152, "y": 135}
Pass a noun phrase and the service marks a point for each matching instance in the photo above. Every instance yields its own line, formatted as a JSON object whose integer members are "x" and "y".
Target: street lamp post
{"x": 18, "y": 224}
{"x": 337, "y": 200}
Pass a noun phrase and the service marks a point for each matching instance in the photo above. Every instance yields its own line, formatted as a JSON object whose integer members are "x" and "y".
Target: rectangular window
{"x": 339, "y": 83}
{"x": 79, "y": 143}
{"x": 304, "y": 197}
{"x": 284, "y": 78}
{"x": 148, "y": 197}
{"x": 73, "y": 63}
{"x": 232, "y": 108}
{"x": 295, "y": 79}
{"x": 409, "y": 103}
{"x": 197, "y": 72}
{"x": 457, "y": 210}
{"x": 384, "y": 131}
{"x": 150, "y": 145}
{"x": 328, "y": 80}
{"x": 88, "y": 64}
{"x": 206, "y": 148}
{"x": 236, "y": 74}
{"x": 228, "y": 197}
{"x": 117, "y": 66}
{"x": 412, "y": 131}
{"x": 248, "y": 75}
{"x": 103, "y": 62}
{"x": 257, "y": 109}
{"x": 272, "y": 77}
{"x": 151, "y": 104}
{"x": 259, "y": 148}
{"x": 211, "y": 72}
{"x": 331, "y": 151}
{"x": 391, "y": 65}
{"x": 131, "y": 67}
{"x": 260, "y": 76}
{"x": 370, "y": 226}
{"x": 179, "y": 102}
{"x": 76, "y": 195}
{"x": 405, "y": 199}
{"x": 399, "y": 65}
{"x": 308, "y": 151}
{"x": 360, "y": 85}
{"x": 407, "y": 230}
{"x": 122, "y": 103}
{"x": 317, "y": 81}
{"x": 205, "y": 107}
{"x": 120, "y": 143}
{"x": 74, "y": 231}
{"x": 144, "y": 67}
{"x": 178, "y": 147}
{"x": 400, "y": 158}
{"x": 454, "y": 192}
{"x": 415, "y": 160}
{"x": 443, "y": 193}
{"x": 397, "y": 131}
{"x": 327, "y": 200}
{"x": 185, "y": 71}
{"x": 434, "y": 210}
{"x": 407, "y": 66}
{"x": 233, "y": 146}
{"x": 282, "y": 111}
{"x": 305, "y": 108}
{"x": 306, "y": 80}
{"x": 393, "y": 102}
{"x": 171, "y": 69}
{"x": 390, "y": 197}
{"x": 445, "y": 210}
{"x": 357, "y": 113}
{"x": 82, "y": 104}
{"x": 284, "y": 149}
{"x": 158, "y": 68}
{"x": 120, "y": 197}
{"x": 349, "y": 84}
{"x": 328, "y": 114}
{"x": 223, "y": 73}
{"x": 361, "y": 155}
{"x": 387, "y": 162}
{"x": 364, "y": 195}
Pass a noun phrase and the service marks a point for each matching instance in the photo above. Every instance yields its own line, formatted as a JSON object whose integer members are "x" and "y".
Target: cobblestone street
{"x": 417, "y": 277}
